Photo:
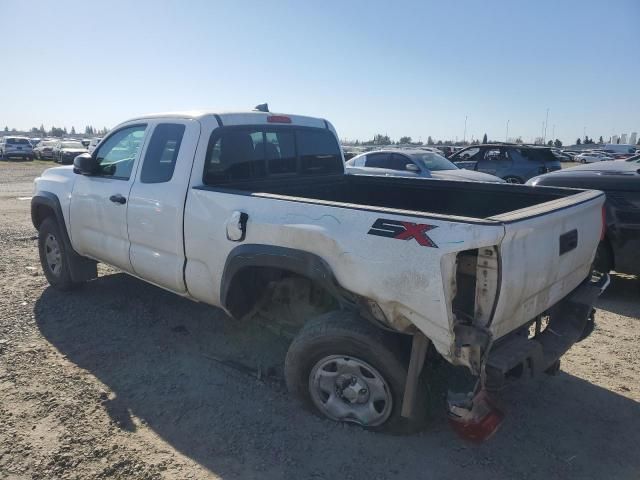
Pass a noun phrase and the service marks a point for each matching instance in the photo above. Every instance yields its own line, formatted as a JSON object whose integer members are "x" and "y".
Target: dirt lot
{"x": 121, "y": 379}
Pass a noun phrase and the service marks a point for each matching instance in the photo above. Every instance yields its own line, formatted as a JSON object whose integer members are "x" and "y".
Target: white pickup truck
{"x": 223, "y": 208}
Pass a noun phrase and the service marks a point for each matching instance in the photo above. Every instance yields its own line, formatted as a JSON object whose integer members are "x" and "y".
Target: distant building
{"x": 634, "y": 138}
{"x": 623, "y": 138}
{"x": 614, "y": 139}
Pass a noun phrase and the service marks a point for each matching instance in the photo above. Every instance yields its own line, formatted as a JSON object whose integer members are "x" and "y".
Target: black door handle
{"x": 118, "y": 199}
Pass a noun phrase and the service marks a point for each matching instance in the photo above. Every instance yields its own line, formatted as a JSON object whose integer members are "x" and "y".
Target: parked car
{"x": 66, "y": 150}
{"x": 412, "y": 163}
{"x": 228, "y": 208}
{"x": 93, "y": 143}
{"x": 563, "y": 157}
{"x": 619, "y": 249}
{"x": 591, "y": 157}
{"x": 44, "y": 149}
{"x": 85, "y": 142}
{"x": 34, "y": 141}
{"x": 513, "y": 163}
{"x": 15, "y": 147}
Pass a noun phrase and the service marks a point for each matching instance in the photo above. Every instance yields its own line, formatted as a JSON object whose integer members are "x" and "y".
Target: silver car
{"x": 15, "y": 147}
{"x": 412, "y": 163}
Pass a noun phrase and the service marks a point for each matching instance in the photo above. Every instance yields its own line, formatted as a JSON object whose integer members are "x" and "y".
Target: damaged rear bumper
{"x": 516, "y": 355}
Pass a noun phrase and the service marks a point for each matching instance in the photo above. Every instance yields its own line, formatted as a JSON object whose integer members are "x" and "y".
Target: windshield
{"x": 72, "y": 145}
{"x": 433, "y": 161}
{"x": 634, "y": 159}
{"x": 17, "y": 141}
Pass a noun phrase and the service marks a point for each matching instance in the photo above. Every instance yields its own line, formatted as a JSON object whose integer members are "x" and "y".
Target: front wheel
{"x": 345, "y": 369}
{"x": 53, "y": 255}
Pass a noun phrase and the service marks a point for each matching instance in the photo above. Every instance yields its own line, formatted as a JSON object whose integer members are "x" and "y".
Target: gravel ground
{"x": 121, "y": 379}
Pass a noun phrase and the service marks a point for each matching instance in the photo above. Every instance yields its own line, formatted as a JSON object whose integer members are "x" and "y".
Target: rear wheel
{"x": 345, "y": 369}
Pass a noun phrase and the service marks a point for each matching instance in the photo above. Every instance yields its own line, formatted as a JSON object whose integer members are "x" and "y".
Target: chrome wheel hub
{"x": 53, "y": 254}
{"x": 348, "y": 389}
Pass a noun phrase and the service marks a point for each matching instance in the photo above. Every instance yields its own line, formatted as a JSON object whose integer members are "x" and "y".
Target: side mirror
{"x": 86, "y": 164}
{"x": 412, "y": 167}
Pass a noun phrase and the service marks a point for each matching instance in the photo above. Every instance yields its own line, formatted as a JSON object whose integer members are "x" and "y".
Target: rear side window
{"x": 162, "y": 153}
{"x": 387, "y": 160}
{"x": 469, "y": 154}
{"x": 537, "y": 154}
{"x": 378, "y": 160}
{"x": 249, "y": 153}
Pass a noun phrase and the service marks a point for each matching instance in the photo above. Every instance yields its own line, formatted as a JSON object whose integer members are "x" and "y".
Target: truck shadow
{"x": 622, "y": 296}
{"x": 188, "y": 372}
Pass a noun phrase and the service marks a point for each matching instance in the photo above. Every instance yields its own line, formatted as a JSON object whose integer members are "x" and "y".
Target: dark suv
{"x": 513, "y": 163}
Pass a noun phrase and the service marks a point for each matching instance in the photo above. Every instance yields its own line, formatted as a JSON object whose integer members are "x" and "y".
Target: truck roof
{"x": 240, "y": 118}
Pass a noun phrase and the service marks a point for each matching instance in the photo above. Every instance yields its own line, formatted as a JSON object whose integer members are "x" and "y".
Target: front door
{"x": 98, "y": 211}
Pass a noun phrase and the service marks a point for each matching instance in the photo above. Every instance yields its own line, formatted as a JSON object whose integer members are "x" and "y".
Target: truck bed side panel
{"x": 403, "y": 275}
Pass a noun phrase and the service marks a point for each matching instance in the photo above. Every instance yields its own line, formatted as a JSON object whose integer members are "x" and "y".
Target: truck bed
{"x": 460, "y": 199}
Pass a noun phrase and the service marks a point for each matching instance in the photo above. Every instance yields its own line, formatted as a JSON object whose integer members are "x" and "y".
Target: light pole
{"x": 553, "y": 135}
{"x": 506, "y": 137}
{"x": 544, "y": 134}
{"x": 464, "y": 137}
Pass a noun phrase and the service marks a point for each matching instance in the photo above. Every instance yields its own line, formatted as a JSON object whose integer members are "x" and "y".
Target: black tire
{"x": 346, "y": 335}
{"x": 512, "y": 179}
{"x": 60, "y": 276}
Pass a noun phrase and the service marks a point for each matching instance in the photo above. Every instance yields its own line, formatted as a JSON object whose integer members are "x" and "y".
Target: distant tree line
{"x": 382, "y": 140}
{"x": 59, "y": 131}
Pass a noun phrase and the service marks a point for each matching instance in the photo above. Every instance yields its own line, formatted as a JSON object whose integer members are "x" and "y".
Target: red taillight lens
{"x": 278, "y": 119}
{"x": 603, "y": 231}
{"x": 479, "y": 423}
{"x": 480, "y": 430}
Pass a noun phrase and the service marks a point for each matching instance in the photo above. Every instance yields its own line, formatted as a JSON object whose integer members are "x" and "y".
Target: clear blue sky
{"x": 401, "y": 68}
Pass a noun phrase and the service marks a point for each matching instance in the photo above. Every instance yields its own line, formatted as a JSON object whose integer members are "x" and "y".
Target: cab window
{"x": 117, "y": 153}
{"x": 162, "y": 153}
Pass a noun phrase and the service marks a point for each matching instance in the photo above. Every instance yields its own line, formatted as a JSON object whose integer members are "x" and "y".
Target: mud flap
{"x": 419, "y": 348}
